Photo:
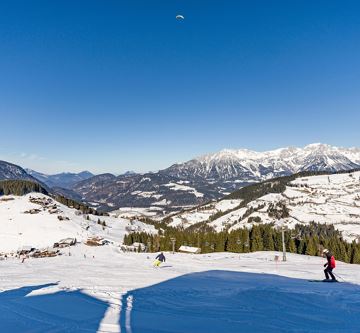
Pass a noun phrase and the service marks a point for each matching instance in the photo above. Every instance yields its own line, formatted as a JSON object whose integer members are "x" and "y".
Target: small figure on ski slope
{"x": 330, "y": 265}
{"x": 159, "y": 259}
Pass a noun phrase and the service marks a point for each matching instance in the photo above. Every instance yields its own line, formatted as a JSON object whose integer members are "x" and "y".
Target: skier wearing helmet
{"x": 330, "y": 265}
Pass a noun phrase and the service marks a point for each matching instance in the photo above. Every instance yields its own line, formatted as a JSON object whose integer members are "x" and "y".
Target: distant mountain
{"x": 12, "y": 171}
{"x": 65, "y": 180}
{"x": 212, "y": 176}
{"x": 150, "y": 189}
{"x": 67, "y": 193}
{"x": 127, "y": 173}
{"x": 208, "y": 177}
{"x": 246, "y": 165}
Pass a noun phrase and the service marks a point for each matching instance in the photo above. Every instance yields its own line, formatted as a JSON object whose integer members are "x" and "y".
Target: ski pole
{"x": 338, "y": 276}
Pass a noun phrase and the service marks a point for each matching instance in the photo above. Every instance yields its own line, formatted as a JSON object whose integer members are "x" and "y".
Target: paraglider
{"x": 180, "y": 17}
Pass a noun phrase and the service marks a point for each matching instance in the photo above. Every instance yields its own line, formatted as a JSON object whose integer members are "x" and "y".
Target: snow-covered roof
{"x": 189, "y": 249}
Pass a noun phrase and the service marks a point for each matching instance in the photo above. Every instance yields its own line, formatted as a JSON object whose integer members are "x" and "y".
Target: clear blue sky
{"x": 122, "y": 85}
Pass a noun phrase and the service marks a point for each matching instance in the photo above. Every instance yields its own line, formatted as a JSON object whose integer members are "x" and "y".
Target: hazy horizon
{"x": 32, "y": 160}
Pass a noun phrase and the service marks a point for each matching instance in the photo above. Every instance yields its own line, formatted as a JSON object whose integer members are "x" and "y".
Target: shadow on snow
{"x": 225, "y": 301}
{"x": 207, "y": 302}
{"x": 61, "y": 311}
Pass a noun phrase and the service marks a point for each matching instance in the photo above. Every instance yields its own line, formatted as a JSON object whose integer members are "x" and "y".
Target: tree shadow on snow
{"x": 40, "y": 309}
{"x": 225, "y": 301}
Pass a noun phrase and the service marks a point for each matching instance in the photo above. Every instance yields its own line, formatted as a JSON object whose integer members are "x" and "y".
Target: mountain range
{"x": 65, "y": 179}
{"x": 199, "y": 180}
{"x": 248, "y": 166}
{"x": 213, "y": 176}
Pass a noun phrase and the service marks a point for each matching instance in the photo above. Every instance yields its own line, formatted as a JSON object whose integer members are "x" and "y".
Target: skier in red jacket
{"x": 330, "y": 265}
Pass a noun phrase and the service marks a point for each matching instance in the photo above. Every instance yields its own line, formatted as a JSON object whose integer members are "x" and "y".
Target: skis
{"x": 326, "y": 280}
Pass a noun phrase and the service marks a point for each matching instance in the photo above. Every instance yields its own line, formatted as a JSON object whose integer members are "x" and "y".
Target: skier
{"x": 159, "y": 259}
{"x": 330, "y": 265}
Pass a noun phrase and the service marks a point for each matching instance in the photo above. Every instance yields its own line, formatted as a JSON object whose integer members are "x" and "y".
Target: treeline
{"x": 20, "y": 187}
{"x": 79, "y": 206}
{"x": 303, "y": 239}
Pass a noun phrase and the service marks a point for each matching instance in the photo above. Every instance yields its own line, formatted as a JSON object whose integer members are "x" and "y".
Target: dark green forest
{"x": 303, "y": 239}
{"x": 20, "y": 187}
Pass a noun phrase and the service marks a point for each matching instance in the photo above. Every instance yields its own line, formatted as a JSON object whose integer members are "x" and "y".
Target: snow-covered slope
{"x": 202, "y": 213}
{"x": 19, "y": 227}
{"x": 333, "y": 199}
{"x": 12, "y": 171}
{"x": 102, "y": 290}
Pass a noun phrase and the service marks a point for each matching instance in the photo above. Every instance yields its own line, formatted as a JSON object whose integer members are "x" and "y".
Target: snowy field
{"x": 102, "y": 290}
{"x": 202, "y": 213}
{"x": 327, "y": 199}
{"x": 42, "y": 229}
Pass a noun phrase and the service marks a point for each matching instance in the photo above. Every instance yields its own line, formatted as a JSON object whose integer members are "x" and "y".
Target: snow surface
{"x": 332, "y": 199}
{"x": 147, "y": 194}
{"x": 42, "y": 230}
{"x": 131, "y": 212}
{"x": 162, "y": 202}
{"x": 179, "y": 187}
{"x": 203, "y": 213}
{"x": 102, "y": 290}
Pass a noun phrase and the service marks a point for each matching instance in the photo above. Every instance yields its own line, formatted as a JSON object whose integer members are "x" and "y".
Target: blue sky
{"x": 122, "y": 85}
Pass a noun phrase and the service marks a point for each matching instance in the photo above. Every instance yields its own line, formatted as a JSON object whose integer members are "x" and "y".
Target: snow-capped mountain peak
{"x": 249, "y": 165}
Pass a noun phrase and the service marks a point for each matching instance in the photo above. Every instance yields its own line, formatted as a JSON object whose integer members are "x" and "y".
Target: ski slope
{"x": 102, "y": 290}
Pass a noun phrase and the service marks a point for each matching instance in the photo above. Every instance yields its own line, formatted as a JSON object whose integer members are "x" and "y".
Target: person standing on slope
{"x": 330, "y": 265}
{"x": 159, "y": 259}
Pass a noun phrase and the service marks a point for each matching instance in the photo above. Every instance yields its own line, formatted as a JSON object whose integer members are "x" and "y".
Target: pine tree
{"x": 291, "y": 245}
{"x": 244, "y": 240}
{"x": 268, "y": 242}
{"x": 255, "y": 239}
{"x": 301, "y": 247}
{"x": 234, "y": 242}
{"x": 277, "y": 241}
{"x": 343, "y": 256}
{"x": 355, "y": 255}
{"x": 311, "y": 247}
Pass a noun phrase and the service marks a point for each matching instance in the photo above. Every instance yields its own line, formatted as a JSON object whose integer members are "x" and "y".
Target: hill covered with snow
{"x": 331, "y": 199}
{"x": 12, "y": 171}
{"x": 37, "y": 220}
